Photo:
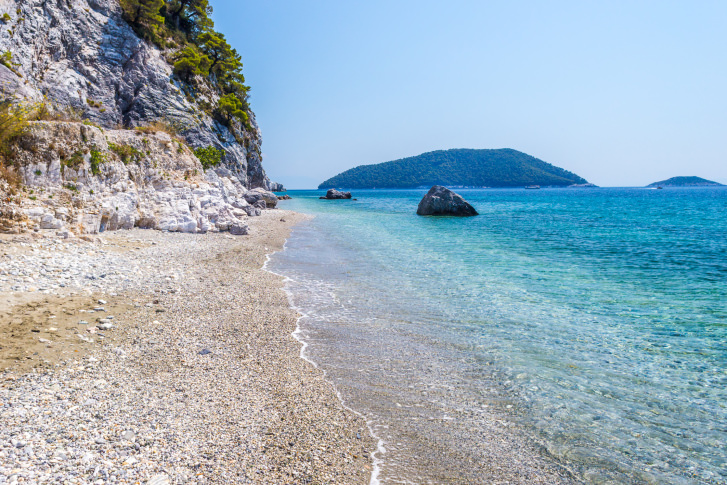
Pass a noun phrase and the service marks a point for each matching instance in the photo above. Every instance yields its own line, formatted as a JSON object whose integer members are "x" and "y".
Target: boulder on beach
{"x": 440, "y": 201}
{"x": 335, "y": 194}
{"x": 259, "y": 194}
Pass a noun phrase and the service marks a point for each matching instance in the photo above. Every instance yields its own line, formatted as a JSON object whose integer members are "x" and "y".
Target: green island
{"x": 686, "y": 182}
{"x": 461, "y": 167}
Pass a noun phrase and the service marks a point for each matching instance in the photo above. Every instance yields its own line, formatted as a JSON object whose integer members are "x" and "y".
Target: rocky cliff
{"x": 81, "y": 55}
{"x": 84, "y": 179}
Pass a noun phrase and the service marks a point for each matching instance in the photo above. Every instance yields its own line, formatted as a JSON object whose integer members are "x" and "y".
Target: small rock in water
{"x": 102, "y": 302}
{"x": 83, "y": 322}
{"x": 104, "y": 326}
{"x": 335, "y": 194}
{"x": 205, "y": 352}
{"x": 99, "y": 309}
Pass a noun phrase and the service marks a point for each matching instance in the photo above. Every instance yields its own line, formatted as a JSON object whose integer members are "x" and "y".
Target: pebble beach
{"x": 147, "y": 357}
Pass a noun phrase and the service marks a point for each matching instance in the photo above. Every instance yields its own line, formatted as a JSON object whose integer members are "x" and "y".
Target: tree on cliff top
{"x": 224, "y": 59}
{"x": 190, "y": 62}
{"x": 203, "y": 52}
{"x": 191, "y": 16}
{"x": 144, "y": 15}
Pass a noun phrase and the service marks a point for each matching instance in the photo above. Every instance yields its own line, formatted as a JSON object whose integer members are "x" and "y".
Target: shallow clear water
{"x": 593, "y": 319}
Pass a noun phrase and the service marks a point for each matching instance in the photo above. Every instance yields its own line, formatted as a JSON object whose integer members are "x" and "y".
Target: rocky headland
{"x": 127, "y": 151}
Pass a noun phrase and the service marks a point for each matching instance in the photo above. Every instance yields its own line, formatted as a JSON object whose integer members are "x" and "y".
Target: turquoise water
{"x": 591, "y": 321}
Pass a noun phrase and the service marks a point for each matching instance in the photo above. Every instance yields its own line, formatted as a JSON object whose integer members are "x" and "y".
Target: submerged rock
{"x": 335, "y": 194}
{"x": 440, "y": 201}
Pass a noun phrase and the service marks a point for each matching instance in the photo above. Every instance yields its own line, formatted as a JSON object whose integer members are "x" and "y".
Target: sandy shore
{"x": 146, "y": 357}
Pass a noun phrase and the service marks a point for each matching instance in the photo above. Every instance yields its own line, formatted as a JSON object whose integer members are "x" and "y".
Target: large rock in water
{"x": 440, "y": 201}
{"x": 335, "y": 194}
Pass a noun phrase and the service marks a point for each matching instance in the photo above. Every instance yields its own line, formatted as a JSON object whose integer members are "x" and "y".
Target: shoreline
{"x": 377, "y": 460}
{"x": 189, "y": 385}
{"x": 428, "y": 437}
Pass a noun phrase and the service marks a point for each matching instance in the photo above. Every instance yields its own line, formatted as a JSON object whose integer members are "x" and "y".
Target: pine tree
{"x": 192, "y": 16}
{"x": 190, "y": 62}
{"x": 232, "y": 107}
{"x": 224, "y": 59}
{"x": 143, "y": 14}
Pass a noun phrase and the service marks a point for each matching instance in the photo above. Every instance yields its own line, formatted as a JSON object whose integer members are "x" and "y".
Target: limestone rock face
{"x": 90, "y": 180}
{"x": 335, "y": 194}
{"x": 440, "y": 201}
{"x": 270, "y": 199}
{"x": 81, "y": 54}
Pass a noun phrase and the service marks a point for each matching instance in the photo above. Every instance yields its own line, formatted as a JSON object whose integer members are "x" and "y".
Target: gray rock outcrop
{"x": 440, "y": 201}
{"x": 82, "y": 57}
{"x": 89, "y": 180}
{"x": 335, "y": 194}
{"x": 259, "y": 194}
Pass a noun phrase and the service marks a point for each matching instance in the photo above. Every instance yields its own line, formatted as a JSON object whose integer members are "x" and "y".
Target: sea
{"x": 586, "y": 326}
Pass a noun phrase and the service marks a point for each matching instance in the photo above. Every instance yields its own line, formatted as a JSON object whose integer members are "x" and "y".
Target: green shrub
{"x": 5, "y": 18}
{"x": 144, "y": 16}
{"x": 74, "y": 161}
{"x": 126, "y": 153}
{"x": 6, "y": 59}
{"x": 97, "y": 158}
{"x": 209, "y": 157}
{"x": 190, "y": 62}
{"x": 232, "y": 107}
{"x": 38, "y": 173}
{"x": 13, "y": 123}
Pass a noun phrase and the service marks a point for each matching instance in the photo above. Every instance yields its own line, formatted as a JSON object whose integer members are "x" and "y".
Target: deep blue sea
{"x": 591, "y": 322}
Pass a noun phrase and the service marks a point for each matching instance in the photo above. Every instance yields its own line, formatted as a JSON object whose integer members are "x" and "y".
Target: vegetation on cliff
{"x": 198, "y": 52}
{"x": 685, "y": 182}
{"x": 458, "y": 167}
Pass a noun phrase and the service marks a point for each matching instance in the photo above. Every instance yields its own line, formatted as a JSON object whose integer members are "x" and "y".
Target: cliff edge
{"x": 82, "y": 58}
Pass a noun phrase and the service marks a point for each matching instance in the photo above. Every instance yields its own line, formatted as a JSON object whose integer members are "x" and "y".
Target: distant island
{"x": 461, "y": 167}
{"x": 685, "y": 182}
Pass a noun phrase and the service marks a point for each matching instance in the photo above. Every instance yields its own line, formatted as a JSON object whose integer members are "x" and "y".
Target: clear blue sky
{"x": 623, "y": 93}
